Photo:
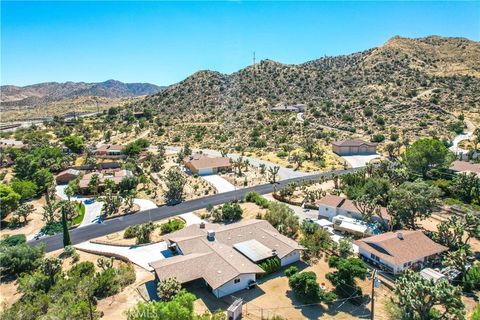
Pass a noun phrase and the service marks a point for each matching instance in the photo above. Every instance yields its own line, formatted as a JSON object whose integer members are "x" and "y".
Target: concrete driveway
{"x": 140, "y": 255}
{"x": 190, "y": 218}
{"x": 92, "y": 211}
{"x": 145, "y": 204}
{"x": 219, "y": 183}
{"x": 359, "y": 161}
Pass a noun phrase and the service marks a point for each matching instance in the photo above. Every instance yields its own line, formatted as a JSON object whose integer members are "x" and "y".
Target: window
{"x": 236, "y": 280}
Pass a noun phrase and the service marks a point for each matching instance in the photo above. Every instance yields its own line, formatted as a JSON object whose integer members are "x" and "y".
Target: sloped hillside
{"x": 415, "y": 85}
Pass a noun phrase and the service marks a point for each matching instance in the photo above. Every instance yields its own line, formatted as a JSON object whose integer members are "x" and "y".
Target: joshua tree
{"x": 273, "y": 173}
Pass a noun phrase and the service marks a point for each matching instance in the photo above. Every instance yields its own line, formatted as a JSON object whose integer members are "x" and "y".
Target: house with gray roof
{"x": 225, "y": 257}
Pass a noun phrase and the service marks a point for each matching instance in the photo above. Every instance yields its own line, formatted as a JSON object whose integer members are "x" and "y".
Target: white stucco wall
{"x": 326, "y": 212}
{"x": 231, "y": 287}
{"x": 291, "y": 258}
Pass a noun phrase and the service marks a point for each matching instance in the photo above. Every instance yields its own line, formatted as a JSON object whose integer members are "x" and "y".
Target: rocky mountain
{"x": 419, "y": 85}
{"x": 48, "y": 92}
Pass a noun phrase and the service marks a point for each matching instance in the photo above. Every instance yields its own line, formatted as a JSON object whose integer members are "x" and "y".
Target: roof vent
{"x": 211, "y": 235}
{"x": 400, "y": 236}
{"x": 202, "y": 225}
{"x": 274, "y": 252}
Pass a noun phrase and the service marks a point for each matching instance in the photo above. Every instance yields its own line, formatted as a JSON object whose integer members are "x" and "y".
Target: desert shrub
{"x": 52, "y": 228}
{"x": 231, "y": 212}
{"x": 256, "y": 198}
{"x": 126, "y": 274}
{"x": 172, "y": 225}
{"x": 282, "y": 154}
{"x": 378, "y": 138}
{"x": 13, "y": 240}
{"x": 307, "y": 289}
{"x": 290, "y": 271}
{"x": 472, "y": 279}
{"x": 21, "y": 258}
{"x": 107, "y": 283}
{"x": 130, "y": 232}
{"x": 270, "y": 265}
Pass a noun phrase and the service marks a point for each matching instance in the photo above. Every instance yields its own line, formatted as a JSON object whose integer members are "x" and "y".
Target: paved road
{"x": 92, "y": 231}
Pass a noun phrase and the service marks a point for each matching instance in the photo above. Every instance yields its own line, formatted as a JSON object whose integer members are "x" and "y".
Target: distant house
{"x": 67, "y": 175}
{"x": 351, "y": 147}
{"x": 225, "y": 257}
{"x": 11, "y": 143}
{"x": 116, "y": 176}
{"x": 291, "y": 108}
{"x": 331, "y": 206}
{"x": 109, "y": 151}
{"x": 465, "y": 167}
{"x": 400, "y": 250}
{"x": 203, "y": 165}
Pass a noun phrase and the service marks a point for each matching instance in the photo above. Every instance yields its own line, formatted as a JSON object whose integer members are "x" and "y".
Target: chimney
{"x": 400, "y": 236}
{"x": 211, "y": 235}
{"x": 202, "y": 225}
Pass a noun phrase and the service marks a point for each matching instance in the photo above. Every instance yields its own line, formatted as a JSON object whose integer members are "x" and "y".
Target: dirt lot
{"x": 249, "y": 178}
{"x": 273, "y": 297}
{"x": 35, "y": 221}
{"x": 117, "y": 237}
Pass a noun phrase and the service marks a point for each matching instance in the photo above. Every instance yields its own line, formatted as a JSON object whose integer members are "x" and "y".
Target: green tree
{"x": 9, "y": 200}
{"x": 111, "y": 202}
{"x": 66, "y": 233}
{"x": 466, "y": 187}
{"x": 180, "y": 308}
{"x": 18, "y": 259}
{"x": 231, "y": 212}
{"x": 94, "y": 183}
{"x": 74, "y": 143}
{"x": 422, "y": 299}
{"x": 43, "y": 178}
{"x": 175, "y": 182}
{"x": 412, "y": 201}
{"x": 307, "y": 289}
{"x": 282, "y": 218}
{"x": 25, "y": 188}
{"x": 426, "y": 154}
{"x": 24, "y": 210}
{"x": 168, "y": 288}
{"x": 348, "y": 269}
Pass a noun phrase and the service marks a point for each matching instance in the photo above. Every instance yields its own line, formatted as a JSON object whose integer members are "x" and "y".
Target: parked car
{"x": 89, "y": 201}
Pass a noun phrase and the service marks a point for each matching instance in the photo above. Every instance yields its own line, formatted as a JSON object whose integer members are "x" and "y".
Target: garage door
{"x": 205, "y": 171}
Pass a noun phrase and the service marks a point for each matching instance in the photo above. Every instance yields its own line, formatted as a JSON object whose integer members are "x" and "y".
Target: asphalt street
{"x": 92, "y": 231}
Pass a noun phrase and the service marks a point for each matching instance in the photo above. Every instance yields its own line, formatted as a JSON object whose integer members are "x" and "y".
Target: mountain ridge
{"x": 47, "y": 92}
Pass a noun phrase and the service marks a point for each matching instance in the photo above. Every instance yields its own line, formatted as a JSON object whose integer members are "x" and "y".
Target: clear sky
{"x": 164, "y": 42}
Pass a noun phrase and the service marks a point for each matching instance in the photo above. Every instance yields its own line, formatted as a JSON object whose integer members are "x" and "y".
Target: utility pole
{"x": 253, "y": 65}
{"x": 375, "y": 284}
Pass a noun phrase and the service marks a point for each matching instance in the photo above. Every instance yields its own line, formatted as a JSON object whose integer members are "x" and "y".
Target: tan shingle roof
{"x": 464, "y": 166}
{"x": 330, "y": 200}
{"x": 390, "y": 248}
{"x": 217, "y": 261}
{"x": 353, "y": 143}
{"x": 202, "y": 162}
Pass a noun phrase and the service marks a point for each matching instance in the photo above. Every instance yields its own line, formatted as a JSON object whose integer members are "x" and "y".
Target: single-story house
{"x": 399, "y": 250}
{"x": 203, "y": 165}
{"x": 351, "y": 147}
{"x": 331, "y": 206}
{"x": 11, "y": 143}
{"x": 109, "y": 150}
{"x": 114, "y": 175}
{"x": 225, "y": 257}
{"x": 67, "y": 175}
{"x": 465, "y": 167}
{"x": 293, "y": 108}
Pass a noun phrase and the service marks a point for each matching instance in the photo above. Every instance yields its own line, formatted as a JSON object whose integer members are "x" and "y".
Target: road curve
{"x": 92, "y": 231}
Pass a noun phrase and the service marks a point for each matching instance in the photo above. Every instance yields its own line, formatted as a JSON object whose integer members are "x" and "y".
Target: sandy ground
{"x": 331, "y": 161}
{"x": 273, "y": 297}
{"x": 252, "y": 177}
{"x": 35, "y": 221}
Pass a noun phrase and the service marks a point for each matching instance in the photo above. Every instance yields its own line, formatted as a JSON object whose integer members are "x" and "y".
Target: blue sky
{"x": 164, "y": 42}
